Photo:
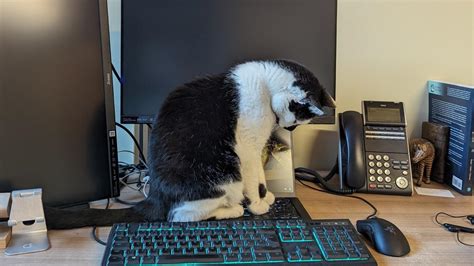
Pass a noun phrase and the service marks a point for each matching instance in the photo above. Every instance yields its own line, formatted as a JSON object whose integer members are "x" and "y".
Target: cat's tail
{"x": 67, "y": 219}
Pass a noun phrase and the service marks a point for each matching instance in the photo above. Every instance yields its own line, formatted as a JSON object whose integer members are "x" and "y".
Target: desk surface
{"x": 430, "y": 244}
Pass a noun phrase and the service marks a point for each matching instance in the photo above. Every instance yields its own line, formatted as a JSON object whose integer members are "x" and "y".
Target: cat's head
{"x": 303, "y": 98}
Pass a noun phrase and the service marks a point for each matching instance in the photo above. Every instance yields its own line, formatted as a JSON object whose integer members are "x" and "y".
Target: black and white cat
{"x": 207, "y": 142}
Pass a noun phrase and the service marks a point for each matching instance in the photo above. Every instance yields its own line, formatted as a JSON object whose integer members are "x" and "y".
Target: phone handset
{"x": 352, "y": 168}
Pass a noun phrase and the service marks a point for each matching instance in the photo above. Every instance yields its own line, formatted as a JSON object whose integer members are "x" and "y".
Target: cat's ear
{"x": 327, "y": 100}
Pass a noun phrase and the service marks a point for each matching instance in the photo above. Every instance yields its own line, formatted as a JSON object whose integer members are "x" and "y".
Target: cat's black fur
{"x": 191, "y": 150}
{"x": 193, "y": 143}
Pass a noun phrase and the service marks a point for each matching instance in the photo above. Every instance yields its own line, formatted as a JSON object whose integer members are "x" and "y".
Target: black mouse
{"x": 385, "y": 236}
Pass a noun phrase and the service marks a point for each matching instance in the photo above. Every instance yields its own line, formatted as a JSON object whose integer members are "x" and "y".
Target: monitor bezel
{"x": 109, "y": 99}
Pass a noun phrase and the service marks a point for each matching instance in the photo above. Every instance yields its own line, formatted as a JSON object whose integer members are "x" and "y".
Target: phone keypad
{"x": 386, "y": 173}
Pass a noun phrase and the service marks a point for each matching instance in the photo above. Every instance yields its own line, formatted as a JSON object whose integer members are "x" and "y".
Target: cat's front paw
{"x": 269, "y": 198}
{"x": 259, "y": 207}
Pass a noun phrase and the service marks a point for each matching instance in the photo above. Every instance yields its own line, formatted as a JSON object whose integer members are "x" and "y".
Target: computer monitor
{"x": 166, "y": 43}
{"x": 57, "y": 127}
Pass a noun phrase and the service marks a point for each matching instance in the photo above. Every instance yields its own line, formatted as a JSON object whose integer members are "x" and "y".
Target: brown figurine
{"x": 422, "y": 154}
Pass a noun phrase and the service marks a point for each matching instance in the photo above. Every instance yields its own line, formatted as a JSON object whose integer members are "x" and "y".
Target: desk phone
{"x": 373, "y": 149}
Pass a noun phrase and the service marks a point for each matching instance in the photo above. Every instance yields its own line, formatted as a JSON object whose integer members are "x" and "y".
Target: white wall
{"x": 387, "y": 50}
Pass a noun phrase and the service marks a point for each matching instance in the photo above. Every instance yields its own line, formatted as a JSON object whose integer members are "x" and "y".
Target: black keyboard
{"x": 287, "y": 242}
{"x": 282, "y": 208}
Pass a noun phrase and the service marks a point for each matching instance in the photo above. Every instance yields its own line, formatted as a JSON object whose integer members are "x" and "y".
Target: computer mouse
{"x": 386, "y": 238}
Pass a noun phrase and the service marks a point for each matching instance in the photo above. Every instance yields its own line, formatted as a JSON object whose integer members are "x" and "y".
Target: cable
{"x": 135, "y": 156}
{"x": 126, "y": 202}
{"x": 326, "y": 178}
{"x": 374, "y": 213}
{"x": 134, "y": 140}
{"x": 314, "y": 177}
{"x": 116, "y": 74}
{"x": 94, "y": 233}
{"x": 464, "y": 243}
{"x": 455, "y": 228}
{"x": 447, "y": 214}
{"x": 146, "y": 179}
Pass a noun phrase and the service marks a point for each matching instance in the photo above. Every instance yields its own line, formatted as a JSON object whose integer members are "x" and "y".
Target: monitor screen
{"x": 170, "y": 42}
{"x": 56, "y": 102}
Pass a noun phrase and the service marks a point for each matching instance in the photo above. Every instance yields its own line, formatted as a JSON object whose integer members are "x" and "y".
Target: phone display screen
{"x": 388, "y": 115}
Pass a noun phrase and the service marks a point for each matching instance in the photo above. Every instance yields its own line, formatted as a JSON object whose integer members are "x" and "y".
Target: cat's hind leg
{"x": 197, "y": 210}
{"x": 233, "y": 208}
{"x": 234, "y": 211}
{"x": 224, "y": 207}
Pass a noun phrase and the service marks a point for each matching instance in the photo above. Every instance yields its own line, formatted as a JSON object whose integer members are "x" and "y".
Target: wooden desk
{"x": 430, "y": 244}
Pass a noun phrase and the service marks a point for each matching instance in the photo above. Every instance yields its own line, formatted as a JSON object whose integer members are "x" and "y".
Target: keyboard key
{"x": 117, "y": 252}
{"x": 246, "y": 257}
{"x": 149, "y": 260}
{"x": 233, "y": 257}
{"x": 122, "y": 245}
{"x": 190, "y": 259}
{"x": 293, "y": 256}
{"x": 116, "y": 259}
{"x": 276, "y": 256}
{"x": 133, "y": 260}
{"x": 260, "y": 256}
{"x": 336, "y": 255}
{"x": 305, "y": 255}
{"x": 316, "y": 255}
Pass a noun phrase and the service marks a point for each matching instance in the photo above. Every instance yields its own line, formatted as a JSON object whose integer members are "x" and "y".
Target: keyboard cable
{"x": 94, "y": 229}
{"x": 374, "y": 213}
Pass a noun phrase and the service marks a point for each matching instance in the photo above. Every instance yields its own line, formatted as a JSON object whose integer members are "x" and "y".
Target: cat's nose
{"x": 290, "y": 128}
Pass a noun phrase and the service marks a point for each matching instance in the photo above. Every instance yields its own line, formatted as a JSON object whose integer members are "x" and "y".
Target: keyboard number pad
{"x": 337, "y": 243}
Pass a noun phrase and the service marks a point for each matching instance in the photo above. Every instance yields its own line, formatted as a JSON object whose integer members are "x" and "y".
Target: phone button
{"x": 372, "y": 171}
{"x": 405, "y": 172}
{"x": 372, "y": 178}
{"x": 380, "y": 179}
{"x": 386, "y": 164}
{"x": 372, "y": 185}
{"x": 371, "y": 156}
{"x": 379, "y": 171}
{"x": 371, "y": 164}
{"x": 388, "y": 186}
{"x": 401, "y": 182}
{"x": 378, "y": 157}
{"x": 387, "y": 172}
{"x": 379, "y": 164}
{"x": 386, "y": 158}
{"x": 388, "y": 179}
